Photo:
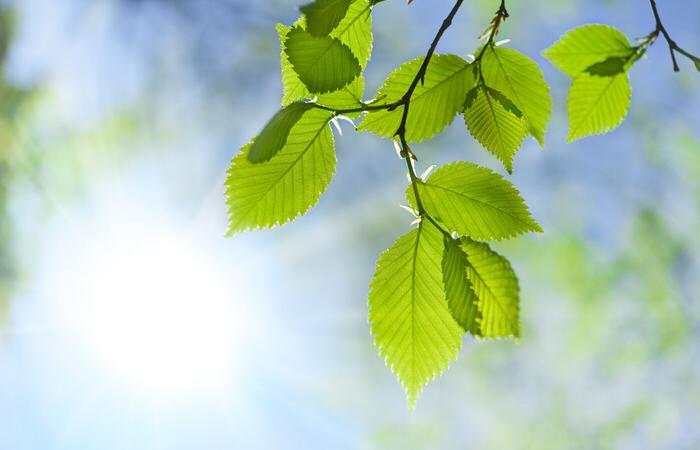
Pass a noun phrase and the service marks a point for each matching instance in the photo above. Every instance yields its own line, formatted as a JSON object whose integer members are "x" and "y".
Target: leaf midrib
{"x": 460, "y": 194}
{"x": 594, "y": 104}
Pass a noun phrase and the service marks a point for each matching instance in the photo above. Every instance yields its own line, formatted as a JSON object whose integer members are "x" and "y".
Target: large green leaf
{"x": 433, "y": 105}
{"x": 276, "y": 191}
{"x": 585, "y": 46}
{"x": 322, "y": 16}
{"x": 324, "y": 64}
{"x": 597, "y": 104}
{"x": 474, "y": 202}
{"x": 494, "y": 121}
{"x": 521, "y": 80}
{"x": 409, "y": 316}
{"x": 460, "y": 296}
{"x": 273, "y": 137}
{"x": 496, "y": 288}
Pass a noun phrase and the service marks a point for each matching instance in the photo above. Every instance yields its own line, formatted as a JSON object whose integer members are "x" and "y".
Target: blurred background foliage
{"x": 116, "y": 112}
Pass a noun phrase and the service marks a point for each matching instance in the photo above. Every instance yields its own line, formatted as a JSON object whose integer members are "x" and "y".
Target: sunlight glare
{"x": 157, "y": 314}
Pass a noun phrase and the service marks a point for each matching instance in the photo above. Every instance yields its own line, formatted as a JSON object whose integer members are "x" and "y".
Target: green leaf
{"x": 496, "y": 287}
{"x": 696, "y": 61}
{"x": 348, "y": 97}
{"x": 597, "y": 104}
{"x": 355, "y": 31}
{"x": 276, "y": 191}
{"x": 585, "y": 46}
{"x": 324, "y": 64}
{"x": 273, "y": 137}
{"x": 322, "y": 16}
{"x": 608, "y": 68}
{"x": 474, "y": 202}
{"x": 494, "y": 125}
{"x": 519, "y": 78}
{"x": 408, "y": 312}
{"x": 460, "y": 297}
{"x": 433, "y": 105}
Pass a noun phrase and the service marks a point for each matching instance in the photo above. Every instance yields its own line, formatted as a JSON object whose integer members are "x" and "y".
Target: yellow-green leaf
{"x": 597, "y": 104}
{"x": 521, "y": 80}
{"x": 496, "y": 287}
{"x": 460, "y": 296}
{"x": 474, "y": 201}
{"x": 322, "y": 16}
{"x": 434, "y": 104}
{"x": 410, "y": 319}
{"x": 273, "y": 137}
{"x": 275, "y": 192}
{"x": 323, "y": 64}
{"x": 585, "y": 46}
{"x": 496, "y": 126}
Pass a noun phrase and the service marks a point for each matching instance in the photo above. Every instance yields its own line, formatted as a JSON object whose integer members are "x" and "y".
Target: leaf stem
{"x": 405, "y": 101}
{"x": 672, "y": 45}
{"x": 500, "y": 17}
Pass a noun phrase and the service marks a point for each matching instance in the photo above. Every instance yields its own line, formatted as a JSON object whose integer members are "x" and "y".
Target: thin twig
{"x": 672, "y": 45}
{"x": 405, "y": 101}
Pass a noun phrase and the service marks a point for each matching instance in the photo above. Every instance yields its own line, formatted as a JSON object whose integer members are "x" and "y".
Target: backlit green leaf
{"x": 410, "y": 319}
{"x": 585, "y": 46}
{"x": 494, "y": 125}
{"x": 496, "y": 287}
{"x": 460, "y": 297}
{"x": 597, "y": 104}
{"x": 355, "y": 31}
{"x": 519, "y": 79}
{"x": 274, "y": 192}
{"x": 273, "y": 137}
{"x": 474, "y": 202}
{"x": 322, "y": 16}
{"x": 324, "y": 64}
{"x": 348, "y": 97}
{"x": 433, "y": 105}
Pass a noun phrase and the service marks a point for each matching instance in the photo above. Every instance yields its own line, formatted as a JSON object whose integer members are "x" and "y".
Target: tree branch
{"x": 405, "y": 101}
{"x": 672, "y": 45}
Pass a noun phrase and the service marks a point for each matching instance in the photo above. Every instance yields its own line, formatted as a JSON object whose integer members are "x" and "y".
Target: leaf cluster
{"x": 441, "y": 280}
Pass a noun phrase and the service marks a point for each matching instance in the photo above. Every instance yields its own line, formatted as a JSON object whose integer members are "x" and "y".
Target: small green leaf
{"x": 275, "y": 192}
{"x": 597, "y": 104}
{"x": 355, "y": 31}
{"x": 494, "y": 126}
{"x": 273, "y": 137}
{"x": 474, "y": 202}
{"x": 696, "y": 61}
{"x": 519, "y": 79}
{"x": 496, "y": 287}
{"x": 408, "y": 312}
{"x": 322, "y": 16}
{"x": 324, "y": 64}
{"x": 584, "y": 46}
{"x": 434, "y": 104}
{"x": 349, "y": 96}
{"x": 460, "y": 297}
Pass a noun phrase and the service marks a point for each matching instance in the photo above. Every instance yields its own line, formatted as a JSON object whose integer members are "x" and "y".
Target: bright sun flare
{"x": 156, "y": 313}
